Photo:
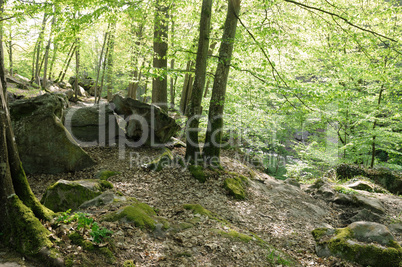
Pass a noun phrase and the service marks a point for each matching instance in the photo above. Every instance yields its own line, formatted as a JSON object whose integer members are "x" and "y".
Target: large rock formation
{"x": 145, "y": 122}
{"x": 65, "y": 195}
{"x": 92, "y": 124}
{"x": 44, "y": 144}
{"x": 367, "y": 243}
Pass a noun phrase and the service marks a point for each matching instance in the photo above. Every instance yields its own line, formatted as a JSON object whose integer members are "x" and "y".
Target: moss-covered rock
{"x": 165, "y": 159}
{"x": 197, "y": 208}
{"x": 37, "y": 118}
{"x": 355, "y": 243}
{"x": 198, "y": 173}
{"x": 391, "y": 181}
{"x": 105, "y": 174}
{"x": 65, "y": 195}
{"x": 236, "y": 186}
{"x": 232, "y": 234}
{"x": 140, "y": 214}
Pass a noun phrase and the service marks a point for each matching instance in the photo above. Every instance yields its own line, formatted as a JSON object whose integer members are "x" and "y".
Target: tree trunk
{"x": 53, "y": 60}
{"x": 44, "y": 83}
{"x": 10, "y": 54}
{"x": 373, "y": 147}
{"x": 172, "y": 90}
{"x": 213, "y": 138}
{"x": 103, "y": 72}
{"x": 194, "y": 107}
{"x": 210, "y": 52}
{"x": 77, "y": 67}
{"x": 109, "y": 74}
{"x": 186, "y": 88}
{"x": 100, "y": 62}
{"x": 66, "y": 64}
{"x": 136, "y": 71}
{"x": 38, "y": 48}
{"x": 19, "y": 208}
{"x": 159, "y": 84}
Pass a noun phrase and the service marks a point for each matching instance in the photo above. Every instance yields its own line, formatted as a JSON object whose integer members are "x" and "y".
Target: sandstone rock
{"x": 44, "y": 144}
{"x": 366, "y": 243}
{"x": 147, "y": 124}
{"x": 92, "y": 124}
{"x": 366, "y": 215}
{"x": 64, "y": 195}
{"x": 103, "y": 199}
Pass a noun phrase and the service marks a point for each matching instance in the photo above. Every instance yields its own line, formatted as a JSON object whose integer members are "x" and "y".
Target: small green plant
{"x": 99, "y": 234}
{"x": 64, "y": 217}
{"x": 277, "y": 259}
{"x": 83, "y": 221}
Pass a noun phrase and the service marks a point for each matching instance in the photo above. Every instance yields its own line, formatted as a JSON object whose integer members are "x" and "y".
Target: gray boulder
{"x": 65, "y": 195}
{"x": 44, "y": 144}
{"x": 145, "y": 123}
{"x": 103, "y": 199}
{"x": 92, "y": 124}
{"x": 366, "y": 243}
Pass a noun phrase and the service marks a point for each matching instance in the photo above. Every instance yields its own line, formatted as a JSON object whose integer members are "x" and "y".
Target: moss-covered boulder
{"x": 366, "y": 243}
{"x": 391, "y": 181}
{"x": 162, "y": 161}
{"x": 149, "y": 123}
{"x": 65, "y": 195}
{"x": 236, "y": 186}
{"x": 138, "y": 213}
{"x": 44, "y": 143}
{"x": 105, "y": 174}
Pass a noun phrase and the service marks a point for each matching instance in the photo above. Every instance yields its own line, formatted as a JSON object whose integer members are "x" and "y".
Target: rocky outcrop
{"x": 366, "y": 243}
{"x": 92, "y": 124}
{"x": 87, "y": 83}
{"x": 65, "y": 195}
{"x": 391, "y": 181}
{"x": 145, "y": 123}
{"x": 44, "y": 144}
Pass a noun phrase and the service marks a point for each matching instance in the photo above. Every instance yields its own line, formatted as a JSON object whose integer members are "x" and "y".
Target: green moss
{"x": 129, "y": 263}
{"x": 162, "y": 161}
{"x": 235, "y": 235}
{"x": 76, "y": 238}
{"x": 105, "y": 174}
{"x": 197, "y": 208}
{"x": 345, "y": 190}
{"x": 87, "y": 245}
{"x": 106, "y": 184}
{"x": 318, "y": 233}
{"x": 69, "y": 261}
{"x": 235, "y": 187}
{"x": 139, "y": 213}
{"x": 198, "y": 173}
{"x": 185, "y": 225}
{"x": 27, "y": 233}
{"x": 108, "y": 254}
{"x": 343, "y": 246}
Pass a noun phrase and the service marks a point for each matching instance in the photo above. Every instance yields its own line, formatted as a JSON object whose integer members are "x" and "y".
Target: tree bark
{"x": 186, "y": 88}
{"x": 172, "y": 90}
{"x": 109, "y": 74}
{"x": 100, "y": 62}
{"x": 373, "y": 147}
{"x": 38, "y": 48}
{"x": 212, "y": 147}
{"x": 77, "y": 67}
{"x": 44, "y": 83}
{"x": 194, "y": 107}
{"x": 160, "y": 46}
{"x": 66, "y": 64}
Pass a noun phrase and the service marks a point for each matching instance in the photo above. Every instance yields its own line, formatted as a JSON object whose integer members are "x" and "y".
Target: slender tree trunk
{"x": 373, "y": 147}
{"x": 103, "y": 72}
{"x": 44, "y": 83}
{"x": 159, "y": 84}
{"x": 10, "y": 54}
{"x": 77, "y": 67}
{"x": 66, "y": 63}
{"x": 172, "y": 90}
{"x": 38, "y": 48}
{"x": 186, "y": 88}
{"x": 56, "y": 45}
{"x": 136, "y": 71}
{"x": 194, "y": 107}
{"x": 100, "y": 62}
{"x": 213, "y": 138}
{"x": 210, "y": 52}
{"x": 109, "y": 74}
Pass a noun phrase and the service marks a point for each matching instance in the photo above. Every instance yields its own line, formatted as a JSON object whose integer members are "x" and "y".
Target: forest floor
{"x": 281, "y": 214}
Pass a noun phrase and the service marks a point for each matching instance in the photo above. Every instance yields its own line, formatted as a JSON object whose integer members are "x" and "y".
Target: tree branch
{"x": 342, "y": 18}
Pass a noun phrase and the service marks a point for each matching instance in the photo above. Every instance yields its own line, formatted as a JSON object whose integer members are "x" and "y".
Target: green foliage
{"x": 99, "y": 234}
{"x": 345, "y": 190}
